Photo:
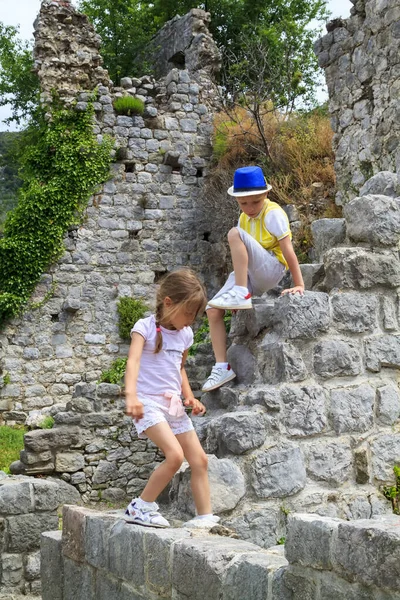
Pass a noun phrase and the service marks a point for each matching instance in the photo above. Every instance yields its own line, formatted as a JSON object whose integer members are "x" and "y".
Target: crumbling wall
{"x": 361, "y": 62}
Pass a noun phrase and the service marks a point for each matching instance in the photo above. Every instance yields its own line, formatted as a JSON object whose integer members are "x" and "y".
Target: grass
{"x": 11, "y": 442}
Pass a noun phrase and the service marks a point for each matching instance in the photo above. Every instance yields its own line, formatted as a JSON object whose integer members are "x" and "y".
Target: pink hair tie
{"x": 158, "y": 329}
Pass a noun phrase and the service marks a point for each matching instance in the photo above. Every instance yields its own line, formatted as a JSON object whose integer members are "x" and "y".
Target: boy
{"x": 261, "y": 250}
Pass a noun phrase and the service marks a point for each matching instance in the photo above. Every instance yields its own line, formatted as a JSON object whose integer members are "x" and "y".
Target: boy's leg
{"x": 217, "y": 333}
{"x": 240, "y": 259}
{"x": 264, "y": 269}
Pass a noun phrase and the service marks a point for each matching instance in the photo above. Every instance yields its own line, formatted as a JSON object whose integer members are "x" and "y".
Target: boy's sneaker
{"x": 231, "y": 300}
{"x": 145, "y": 515}
{"x": 202, "y": 523}
{"x": 218, "y": 376}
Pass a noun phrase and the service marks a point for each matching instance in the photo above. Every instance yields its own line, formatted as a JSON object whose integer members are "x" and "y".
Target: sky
{"x": 23, "y": 13}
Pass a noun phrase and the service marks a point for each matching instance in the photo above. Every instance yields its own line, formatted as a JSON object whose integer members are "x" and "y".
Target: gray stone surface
{"x": 385, "y": 453}
{"x": 382, "y": 351}
{"x": 374, "y": 220}
{"x": 309, "y": 540}
{"x": 235, "y": 433}
{"x": 330, "y": 462}
{"x": 278, "y": 471}
{"x": 243, "y": 363}
{"x": 354, "y": 312}
{"x": 327, "y": 233}
{"x": 304, "y": 409}
{"x": 359, "y": 268}
{"x": 302, "y": 316}
{"x": 51, "y": 567}
{"x": 258, "y": 524}
{"x": 279, "y": 361}
{"x": 334, "y": 358}
{"x": 384, "y": 183}
{"x": 352, "y": 408}
{"x": 388, "y": 404}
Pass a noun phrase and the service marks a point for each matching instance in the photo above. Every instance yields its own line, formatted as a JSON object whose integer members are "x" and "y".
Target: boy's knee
{"x": 233, "y": 234}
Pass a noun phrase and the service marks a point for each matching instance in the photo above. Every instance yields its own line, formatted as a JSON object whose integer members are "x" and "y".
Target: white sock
{"x": 222, "y": 365}
{"x": 204, "y": 516}
{"x": 240, "y": 290}
{"x": 142, "y": 503}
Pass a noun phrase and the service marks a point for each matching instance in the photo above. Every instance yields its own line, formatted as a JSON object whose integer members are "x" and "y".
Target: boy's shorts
{"x": 264, "y": 270}
{"x": 156, "y": 411}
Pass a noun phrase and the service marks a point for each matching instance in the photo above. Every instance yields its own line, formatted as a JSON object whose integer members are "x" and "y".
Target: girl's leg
{"x": 240, "y": 257}
{"x": 162, "y": 436}
{"x": 217, "y": 333}
{"x": 198, "y": 462}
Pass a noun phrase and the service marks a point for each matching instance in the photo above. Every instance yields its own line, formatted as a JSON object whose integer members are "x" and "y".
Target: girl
{"x": 154, "y": 381}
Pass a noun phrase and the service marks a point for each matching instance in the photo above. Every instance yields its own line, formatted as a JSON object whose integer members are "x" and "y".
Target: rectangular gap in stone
{"x": 199, "y": 173}
{"x": 129, "y": 167}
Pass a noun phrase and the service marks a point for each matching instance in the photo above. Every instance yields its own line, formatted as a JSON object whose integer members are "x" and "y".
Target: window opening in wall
{"x": 159, "y": 275}
{"x": 55, "y": 318}
{"x": 129, "y": 167}
{"x": 199, "y": 173}
{"x": 178, "y": 60}
{"x": 206, "y": 236}
{"x": 133, "y": 234}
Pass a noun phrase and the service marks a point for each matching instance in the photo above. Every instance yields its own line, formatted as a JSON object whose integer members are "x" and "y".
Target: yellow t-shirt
{"x": 268, "y": 227}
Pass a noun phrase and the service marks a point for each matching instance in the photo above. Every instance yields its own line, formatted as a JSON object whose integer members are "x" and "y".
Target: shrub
{"x": 392, "y": 492}
{"x": 47, "y": 423}
{"x": 11, "y": 442}
{"x": 126, "y": 105}
{"x": 129, "y": 311}
{"x": 115, "y": 373}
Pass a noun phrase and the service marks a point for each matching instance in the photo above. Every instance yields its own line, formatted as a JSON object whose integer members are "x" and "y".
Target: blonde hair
{"x": 186, "y": 292}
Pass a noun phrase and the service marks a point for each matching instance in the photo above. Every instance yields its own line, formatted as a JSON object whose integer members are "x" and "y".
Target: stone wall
{"x": 146, "y": 220}
{"x": 361, "y": 62}
{"x": 101, "y": 557}
{"x": 28, "y": 507}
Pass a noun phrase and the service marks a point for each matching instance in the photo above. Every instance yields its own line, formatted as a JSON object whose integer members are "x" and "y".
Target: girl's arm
{"x": 190, "y": 400}
{"x": 291, "y": 258}
{"x": 133, "y": 406}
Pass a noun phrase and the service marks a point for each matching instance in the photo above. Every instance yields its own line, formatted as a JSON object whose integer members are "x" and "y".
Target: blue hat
{"x": 249, "y": 181}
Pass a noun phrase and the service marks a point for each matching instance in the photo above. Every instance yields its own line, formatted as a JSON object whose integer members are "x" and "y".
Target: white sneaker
{"x": 231, "y": 300}
{"x": 147, "y": 516}
{"x": 205, "y": 523}
{"x": 218, "y": 377}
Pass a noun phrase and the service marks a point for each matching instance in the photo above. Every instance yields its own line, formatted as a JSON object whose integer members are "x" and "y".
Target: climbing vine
{"x": 62, "y": 164}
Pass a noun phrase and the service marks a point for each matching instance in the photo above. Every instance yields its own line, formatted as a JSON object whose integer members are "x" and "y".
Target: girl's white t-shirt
{"x": 161, "y": 372}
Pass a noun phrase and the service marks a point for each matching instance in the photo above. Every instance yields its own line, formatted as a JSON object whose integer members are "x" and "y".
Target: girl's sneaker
{"x": 148, "y": 515}
{"x": 218, "y": 376}
{"x": 205, "y": 522}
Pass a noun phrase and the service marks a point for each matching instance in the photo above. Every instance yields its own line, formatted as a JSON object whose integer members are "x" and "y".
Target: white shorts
{"x": 156, "y": 411}
{"x": 264, "y": 270}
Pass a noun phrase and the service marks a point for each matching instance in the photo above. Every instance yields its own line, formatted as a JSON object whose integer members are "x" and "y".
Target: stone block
{"x": 388, "y": 404}
{"x": 388, "y": 312}
{"x": 327, "y": 233}
{"x": 354, "y": 312}
{"x": 97, "y": 535}
{"x": 247, "y": 576}
{"x": 368, "y": 551}
{"x": 330, "y": 462}
{"x": 51, "y": 566}
{"x": 374, "y": 220}
{"x": 40, "y": 440}
{"x": 126, "y": 553}
{"x": 382, "y": 351}
{"x": 259, "y": 524}
{"x": 301, "y": 582}
{"x": 105, "y": 471}
{"x": 309, "y": 540}
{"x": 361, "y": 465}
{"x": 11, "y": 570}
{"x": 302, "y": 316}
{"x": 251, "y": 322}
{"x": 243, "y": 363}
{"x": 23, "y": 531}
{"x": 352, "y": 408}
{"x": 304, "y": 409}
{"x": 15, "y": 496}
{"x": 235, "y": 432}
{"x": 312, "y": 274}
{"x": 358, "y": 268}
{"x": 227, "y": 486}
{"x": 264, "y": 395}
{"x": 333, "y": 587}
{"x": 279, "y": 361}
{"x": 157, "y": 559}
{"x": 333, "y": 358}
{"x": 208, "y": 556}
{"x": 384, "y": 183}
{"x": 79, "y": 581}
{"x": 74, "y": 527}
{"x": 385, "y": 453}
{"x": 278, "y": 471}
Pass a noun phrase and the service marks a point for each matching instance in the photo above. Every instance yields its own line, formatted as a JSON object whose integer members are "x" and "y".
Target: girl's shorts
{"x": 156, "y": 411}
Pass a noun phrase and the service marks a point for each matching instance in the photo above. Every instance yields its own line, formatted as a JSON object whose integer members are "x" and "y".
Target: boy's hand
{"x": 134, "y": 408}
{"x": 197, "y": 407}
{"x": 298, "y": 289}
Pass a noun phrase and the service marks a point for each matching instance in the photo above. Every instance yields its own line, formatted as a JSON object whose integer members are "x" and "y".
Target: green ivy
{"x": 62, "y": 165}
{"x": 392, "y": 492}
{"x": 129, "y": 311}
{"x": 115, "y": 373}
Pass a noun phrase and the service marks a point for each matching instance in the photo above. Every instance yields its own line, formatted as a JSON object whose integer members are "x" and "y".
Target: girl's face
{"x": 251, "y": 205}
{"x": 178, "y": 317}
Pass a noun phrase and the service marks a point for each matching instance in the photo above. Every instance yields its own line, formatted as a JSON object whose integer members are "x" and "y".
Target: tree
{"x": 19, "y": 85}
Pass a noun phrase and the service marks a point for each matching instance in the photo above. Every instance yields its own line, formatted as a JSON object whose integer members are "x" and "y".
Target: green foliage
{"x": 281, "y": 541}
{"x": 392, "y": 492}
{"x": 6, "y": 379}
{"x": 19, "y": 85}
{"x": 61, "y": 166}
{"x": 202, "y": 334}
{"x": 11, "y": 442}
{"x": 47, "y": 423}
{"x": 129, "y": 311}
{"x": 9, "y": 179}
{"x": 115, "y": 373}
{"x": 127, "y": 105}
